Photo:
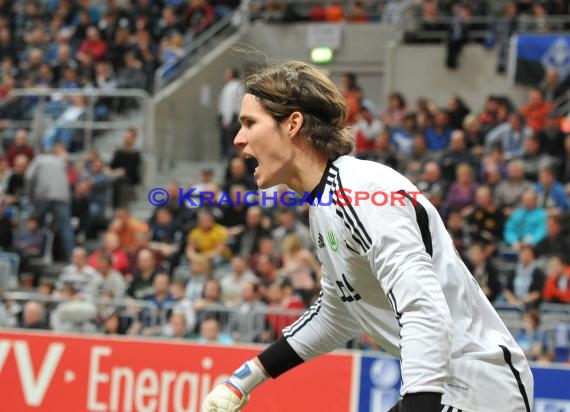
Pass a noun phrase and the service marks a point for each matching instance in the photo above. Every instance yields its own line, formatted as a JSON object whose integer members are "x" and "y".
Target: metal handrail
{"x": 37, "y": 297}
{"x": 41, "y": 121}
{"x": 160, "y": 77}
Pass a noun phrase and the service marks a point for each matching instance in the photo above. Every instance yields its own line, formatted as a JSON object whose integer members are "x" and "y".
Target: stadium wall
{"x": 419, "y": 71}
{"x": 185, "y": 111}
{"x": 52, "y": 372}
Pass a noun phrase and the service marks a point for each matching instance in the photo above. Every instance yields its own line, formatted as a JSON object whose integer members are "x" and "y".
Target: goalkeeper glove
{"x": 232, "y": 395}
{"x": 224, "y": 398}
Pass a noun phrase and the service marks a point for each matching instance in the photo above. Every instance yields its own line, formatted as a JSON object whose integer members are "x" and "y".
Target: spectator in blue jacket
{"x": 551, "y": 193}
{"x": 438, "y": 136}
{"x": 527, "y": 223}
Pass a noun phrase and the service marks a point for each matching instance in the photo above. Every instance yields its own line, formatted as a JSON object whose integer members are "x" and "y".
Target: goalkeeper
{"x": 389, "y": 269}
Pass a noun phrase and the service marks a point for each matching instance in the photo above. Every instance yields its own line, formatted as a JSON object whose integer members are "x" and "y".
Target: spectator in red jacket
{"x": 536, "y": 110}
{"x": 20, "y": 146}
{"x": 93, "y": 45}
{"x": 111, "y": 247}
{"x": 557, "y": 287}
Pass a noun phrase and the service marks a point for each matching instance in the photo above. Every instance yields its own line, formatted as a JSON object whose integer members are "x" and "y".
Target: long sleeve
{"x": 550, "y": 292}
{"x": 511, "y": 226}
{"x": 403, "y": 266}
{"x": 325, "y": 326}
{"x": 538, "y": 229}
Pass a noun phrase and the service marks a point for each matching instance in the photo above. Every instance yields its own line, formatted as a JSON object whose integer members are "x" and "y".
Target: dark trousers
{"x": 61, "y": 213}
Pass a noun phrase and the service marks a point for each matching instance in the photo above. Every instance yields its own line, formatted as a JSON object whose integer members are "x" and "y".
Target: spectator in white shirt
{"x": 80, "y": 275}
{"x": 229, "y": 105}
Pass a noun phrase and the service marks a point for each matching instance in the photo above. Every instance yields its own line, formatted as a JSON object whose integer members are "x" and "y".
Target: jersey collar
{"x": 318, "y": 191}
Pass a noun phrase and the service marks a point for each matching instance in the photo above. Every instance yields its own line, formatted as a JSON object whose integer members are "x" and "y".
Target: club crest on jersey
{"x": 332, "y": 240}
{"x": 321, "y": 241}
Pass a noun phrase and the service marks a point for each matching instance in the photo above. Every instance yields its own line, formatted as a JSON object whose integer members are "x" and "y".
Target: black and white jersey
{"x": 390, "y": 269}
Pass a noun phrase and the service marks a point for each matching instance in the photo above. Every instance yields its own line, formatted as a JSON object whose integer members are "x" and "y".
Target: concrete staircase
{"x": 185, "y": 173}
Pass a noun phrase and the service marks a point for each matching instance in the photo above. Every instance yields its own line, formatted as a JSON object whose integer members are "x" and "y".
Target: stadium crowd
{"x": 91, "y": 45}
{"x": 499, "y": 175}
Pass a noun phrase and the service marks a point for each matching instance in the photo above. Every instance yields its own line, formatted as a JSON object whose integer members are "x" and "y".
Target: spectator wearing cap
{"x": 366, "y": 128}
